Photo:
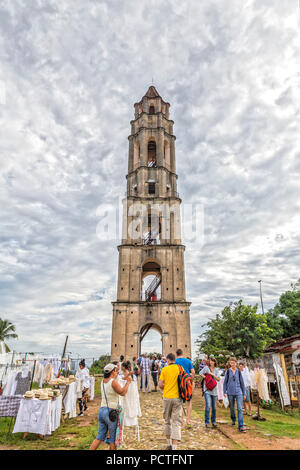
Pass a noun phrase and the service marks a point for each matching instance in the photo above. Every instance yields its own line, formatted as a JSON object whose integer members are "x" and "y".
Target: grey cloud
{"x": 72, "y": 72}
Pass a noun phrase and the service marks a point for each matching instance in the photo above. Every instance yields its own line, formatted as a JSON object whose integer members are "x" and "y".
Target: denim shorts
{"x": 248, "y": 394}
{"x": 105, "y": 425}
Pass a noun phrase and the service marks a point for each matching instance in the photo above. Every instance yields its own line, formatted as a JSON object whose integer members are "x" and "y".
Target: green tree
{"x": 99, "y": 364}
{"x": 7, "y": 330}
{"x": 239, "y": 330}
{"x": 284, "y": 318}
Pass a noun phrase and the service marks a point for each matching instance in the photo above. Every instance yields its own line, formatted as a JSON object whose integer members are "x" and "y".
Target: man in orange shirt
{"x": 172, "y": 404}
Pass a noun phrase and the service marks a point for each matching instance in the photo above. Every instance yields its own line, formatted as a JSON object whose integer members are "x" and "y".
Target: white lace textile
{"x": 38, "y": 416}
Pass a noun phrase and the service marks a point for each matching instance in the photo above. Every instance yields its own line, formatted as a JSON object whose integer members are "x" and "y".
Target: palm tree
{"x": 6, "y": 332}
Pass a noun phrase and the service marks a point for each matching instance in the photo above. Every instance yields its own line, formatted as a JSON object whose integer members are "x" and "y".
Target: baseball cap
{"x": 109, "y": 367}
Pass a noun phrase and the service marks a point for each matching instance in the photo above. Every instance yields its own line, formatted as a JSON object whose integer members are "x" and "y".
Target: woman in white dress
{"x": 131, "y": 401}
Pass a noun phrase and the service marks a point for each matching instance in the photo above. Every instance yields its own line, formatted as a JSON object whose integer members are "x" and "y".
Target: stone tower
{"x": 151, "y": 279}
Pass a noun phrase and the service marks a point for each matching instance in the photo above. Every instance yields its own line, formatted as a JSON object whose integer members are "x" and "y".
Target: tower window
{"x": 151, "y": 188}
{"x": 151, "y": 153}
{"x": 115, "y": 345}
{"x": 151, "y": 110}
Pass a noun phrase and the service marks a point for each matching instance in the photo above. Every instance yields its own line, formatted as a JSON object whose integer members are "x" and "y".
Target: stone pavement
{"x": 152, "y": 425}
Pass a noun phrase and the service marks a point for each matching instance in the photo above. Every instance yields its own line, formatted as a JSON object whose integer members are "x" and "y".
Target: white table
{"x": 38, "y": 416}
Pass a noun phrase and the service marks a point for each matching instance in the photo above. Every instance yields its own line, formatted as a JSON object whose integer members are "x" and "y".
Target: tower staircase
{"x": 150, "y": 291}
{"x": 150, "y": 238}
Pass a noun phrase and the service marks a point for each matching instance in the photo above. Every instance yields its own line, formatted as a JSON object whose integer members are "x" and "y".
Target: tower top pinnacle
{"x": 152, "y": 92}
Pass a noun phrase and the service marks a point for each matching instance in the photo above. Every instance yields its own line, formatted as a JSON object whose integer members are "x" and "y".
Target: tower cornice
{"x": 150, "y": 247}
{"x": 151, "y": 168}
{"x": 154, "y": 114}
{"x": 157, "y": 302}
{"x": 152, "y": 129}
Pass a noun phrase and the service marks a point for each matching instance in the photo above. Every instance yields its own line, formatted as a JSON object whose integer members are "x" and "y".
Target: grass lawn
{"x": 67, "y": 436}
{"x": 279, "y": 423}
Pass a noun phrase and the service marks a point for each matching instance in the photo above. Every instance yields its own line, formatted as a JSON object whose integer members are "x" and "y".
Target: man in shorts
{"x": 246, "y": 376}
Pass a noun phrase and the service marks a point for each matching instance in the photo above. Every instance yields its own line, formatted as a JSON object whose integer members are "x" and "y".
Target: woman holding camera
{"x": 109, "y": 410}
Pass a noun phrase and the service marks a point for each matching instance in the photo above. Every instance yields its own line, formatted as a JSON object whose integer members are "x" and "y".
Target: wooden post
{"x": 65, "y": 347}
{"x": 257, "y": 398}
{"x": 298, "y": 392}
{"x": 32, "y": 374}
{"x": 285, "y": 375}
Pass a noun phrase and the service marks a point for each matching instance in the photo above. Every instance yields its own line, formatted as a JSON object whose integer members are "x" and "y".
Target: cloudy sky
{"x": 70, "y": 74}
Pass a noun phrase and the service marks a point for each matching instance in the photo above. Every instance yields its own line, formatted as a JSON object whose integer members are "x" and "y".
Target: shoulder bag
{"x": 113, "y": 414}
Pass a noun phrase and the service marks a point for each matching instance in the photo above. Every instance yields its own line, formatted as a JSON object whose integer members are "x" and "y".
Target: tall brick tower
{"x": 151, "y": 279}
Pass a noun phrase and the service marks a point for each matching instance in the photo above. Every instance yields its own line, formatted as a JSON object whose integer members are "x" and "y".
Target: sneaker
{"x": 80, "y": 414}
{"x": 214, "y": 425}
{"x": 207, "y": 425}
{"x": 169, "y": 448}
{"x": 86, "y": 408}
{"x": 233, "y": 423}
{"x": 242, "y": 429}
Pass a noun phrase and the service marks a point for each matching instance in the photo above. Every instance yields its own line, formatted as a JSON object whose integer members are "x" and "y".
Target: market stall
{"x": 39, "y": 412}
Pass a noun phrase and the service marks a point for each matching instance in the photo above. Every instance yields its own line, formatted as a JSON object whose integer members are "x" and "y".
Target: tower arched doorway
{"x": 147, "y": 332}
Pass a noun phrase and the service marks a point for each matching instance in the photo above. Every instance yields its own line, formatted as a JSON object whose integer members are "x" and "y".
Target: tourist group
{"x": 175, "y": 377}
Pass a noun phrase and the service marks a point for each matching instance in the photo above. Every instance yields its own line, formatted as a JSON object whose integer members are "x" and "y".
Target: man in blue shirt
{"x": 234, "y": 387}
{"x": 188, "y": 367}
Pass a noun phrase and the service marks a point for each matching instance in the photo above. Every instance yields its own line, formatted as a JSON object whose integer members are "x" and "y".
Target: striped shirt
{"x": 145, "y": 365}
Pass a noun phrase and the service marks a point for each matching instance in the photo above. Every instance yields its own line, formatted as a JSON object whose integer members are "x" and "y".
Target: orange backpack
{"x": 185, "y": 385}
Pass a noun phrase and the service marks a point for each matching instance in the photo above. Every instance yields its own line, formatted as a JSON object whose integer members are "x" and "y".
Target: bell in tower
{"x": 151, "y": 279}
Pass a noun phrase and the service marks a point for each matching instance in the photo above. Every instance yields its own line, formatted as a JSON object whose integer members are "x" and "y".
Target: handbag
{"x": 210, "y": 382}
{"x": 113, "y": 414}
